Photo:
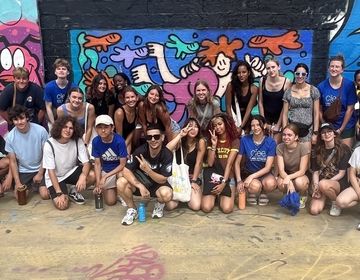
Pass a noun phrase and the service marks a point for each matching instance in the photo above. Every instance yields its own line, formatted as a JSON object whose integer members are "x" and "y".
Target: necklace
{"x": 259, "y": 142}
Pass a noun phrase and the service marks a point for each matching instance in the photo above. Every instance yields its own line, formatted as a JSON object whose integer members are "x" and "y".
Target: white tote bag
{"x": 179, "y": 180}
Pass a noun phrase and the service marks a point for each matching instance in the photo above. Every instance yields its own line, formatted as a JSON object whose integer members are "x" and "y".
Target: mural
{"x": 20, "y": 40}
{"x": 176, "y": 59}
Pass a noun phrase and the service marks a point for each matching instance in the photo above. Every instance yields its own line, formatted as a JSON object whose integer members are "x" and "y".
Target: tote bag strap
{"x": 14, "y": 96}
{"x": 86, "y": 115}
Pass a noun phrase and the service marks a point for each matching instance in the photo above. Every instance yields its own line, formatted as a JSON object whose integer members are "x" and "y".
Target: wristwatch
{"x": 197, "y": 181}
{"x": 59, "y": 194}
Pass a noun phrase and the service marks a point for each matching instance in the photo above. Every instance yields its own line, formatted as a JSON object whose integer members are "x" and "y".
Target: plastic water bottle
{"x": 242, "y": 200}
{"x": 99, "y": 203}
{"x": 142, "y": 212}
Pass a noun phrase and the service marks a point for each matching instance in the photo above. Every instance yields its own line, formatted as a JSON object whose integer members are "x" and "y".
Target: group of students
{"x": 123, "y": 143}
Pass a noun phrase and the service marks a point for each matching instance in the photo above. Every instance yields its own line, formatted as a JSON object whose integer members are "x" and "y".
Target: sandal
{"x": 251, "y": 199}
{"x": 263, "y": 200}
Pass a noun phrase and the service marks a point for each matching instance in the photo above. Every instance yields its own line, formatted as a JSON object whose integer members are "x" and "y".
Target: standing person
{"x": 241, "y": 93}
{"x": 146, "y": 174}
{"x": 24, "y": 145}
{"x": 56, "y": 91}
{"x": 84, "y": 113}
{"x": 293, "y": 161}
{"x": 271, "y": 91}
{"x": 153, "y": 111}
{"x": 337, "y": 86}
{"x": 194, "y": 148}
{"x": 223, "y": 146}
{"x": 25, "y": 93}
{"x": 203, "y": 106}
{"x": 126, "y": 117}
{"x": 100, "y": 97}
{"x": 109, "y": 151}
{"x": 66, "y": 162}
{"x": 121, "y": 81}
{"x": 329, "y": 176}
{"x": 302, "y": 106}
{"x": 259, "y": 151}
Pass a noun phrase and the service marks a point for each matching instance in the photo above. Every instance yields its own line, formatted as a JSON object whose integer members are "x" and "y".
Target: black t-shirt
{"x": 31, "y": 98}
{"x": 2, "y": 146}
{"x": 161, "y": 164}
{"x": 102, "y": 105}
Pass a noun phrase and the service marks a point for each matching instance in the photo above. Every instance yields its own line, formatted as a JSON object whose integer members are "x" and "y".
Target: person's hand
{"x": 37, "y": 178}
{"x": 97, "y": 190}
{"x": 218, "y": 189}
{"x": 240, "y": 186}
{"x": 290, "y": 187}
{"x": 144, "y": 165}
{"x": 144, "y": 192}
{"x": 248, "y": 181}
{"x": 81, "y": 183}
{"x": 316, "y": 191}
{"x": 6, "y": 184}
{"x": 213, "y": 138}
{"x": 286, "y": 181}
{"x": 61, "y": 200}
{"x": 195, "y": 187}
{"x": 185, "y": 131}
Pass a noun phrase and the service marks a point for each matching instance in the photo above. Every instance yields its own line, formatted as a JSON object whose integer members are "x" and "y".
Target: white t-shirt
{"x": 65, "y": 159}
{"x": 354, "y": 160}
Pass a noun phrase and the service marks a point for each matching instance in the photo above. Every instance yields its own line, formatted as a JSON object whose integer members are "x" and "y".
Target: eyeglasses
{"x": 327, "y": 131}
{"x": 300, "y": 74}
{"x": 155, "y": 136}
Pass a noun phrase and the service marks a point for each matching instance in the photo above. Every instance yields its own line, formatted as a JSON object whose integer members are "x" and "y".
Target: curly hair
{"x": 230, "y": 127}
{"x": 17, "y": 111}
{"x": 60, "y": 123}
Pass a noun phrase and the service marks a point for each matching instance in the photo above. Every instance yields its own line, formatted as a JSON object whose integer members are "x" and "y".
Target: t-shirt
{"x": 355, "y": 160}
{"x": 292, "y": 158}
{"x": 223, "y": 150}
{"x": 31, "y": 98}
{"x": 109, "y": 153}
{"x": 348, "y": 97}
{"x": 56, "y": 95}
{"x": 65, "y": 159}
{"x": 27, "y": 147}
{"x": 161, "y": 164}
{"x": 256, "y": 155}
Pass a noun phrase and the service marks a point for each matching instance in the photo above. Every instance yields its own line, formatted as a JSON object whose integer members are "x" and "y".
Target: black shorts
{"x": 72, "y": 180}
{"x": 148, "y": 183}
{"x": 208, "y": 185}
{"x": 27, "y": 179}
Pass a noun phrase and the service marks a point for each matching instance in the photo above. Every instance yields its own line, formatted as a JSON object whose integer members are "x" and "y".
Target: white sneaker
{"x": 121, "y": 200}
{"x": 335, "y": 210}
{"x": 303, "y": 200}
{"x": 131, "y": 215}
{"x": 158, "y": 211}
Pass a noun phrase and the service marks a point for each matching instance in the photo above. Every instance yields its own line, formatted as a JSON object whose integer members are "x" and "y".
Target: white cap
{"x": 104, "y": 119}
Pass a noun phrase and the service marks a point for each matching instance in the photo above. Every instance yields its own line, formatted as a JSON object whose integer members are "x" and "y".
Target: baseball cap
{"x": 104, "y": 119}
{"x": 328, "y": 126}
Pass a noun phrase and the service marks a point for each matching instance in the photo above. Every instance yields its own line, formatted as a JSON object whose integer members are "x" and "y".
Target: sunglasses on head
{"x": 302, "y": 74}
{"x": 155, "y": 136}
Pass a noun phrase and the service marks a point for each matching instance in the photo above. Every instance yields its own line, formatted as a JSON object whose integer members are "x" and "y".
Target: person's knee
{"x": 207, "y": 208}
{"x": 121, "y": 184}
{"x": 227, "y": 209}
{"x": 165, "y": 194}
{"x": 195, "y": 206}
{"x": 315, "y": 211}
{"x": 254, "y": 187}
{"x": 44, "y": 193}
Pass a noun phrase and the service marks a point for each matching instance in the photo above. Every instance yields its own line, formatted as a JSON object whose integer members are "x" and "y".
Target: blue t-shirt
{"x": 256, "y": 155}
{"x": 56, "y": 95}
{"x": 348, "y": 97}
{"x": 109, "y": 153}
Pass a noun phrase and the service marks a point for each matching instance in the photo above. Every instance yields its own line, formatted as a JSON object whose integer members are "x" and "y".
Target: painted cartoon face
{"x": 21, "y": 83}
{"x": 76, "y": 99}
{"x": 119, "y": 82}
{"x": 256, "y": 127}
{"x": 272, "y": 69}
{"x": 201, "y": 93}
{"x": 21, "y": 123}
{"x": 289, "y": 136}
{"x": 300, "y": 75}
{"x": 153, "y": 96}
{"x": 335, "y": 68}
{"x": 242, "y": 73}
{"x": 67, "y": 131}
{"x": 219, "y": 126}
{"x": 61, "y": 72}
{"x": 194, "y": 129}
{"x": 102, "y": 86}
{"x": 130, "y": 99}
{"x": 222, "y": 65}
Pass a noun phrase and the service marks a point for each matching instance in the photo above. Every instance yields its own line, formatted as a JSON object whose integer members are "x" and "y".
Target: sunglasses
{"x": 300, "y": 74}
{"x": 155, "y": 136}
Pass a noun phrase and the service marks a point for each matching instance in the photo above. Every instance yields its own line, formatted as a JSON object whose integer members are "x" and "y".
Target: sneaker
{"x": 358, "y": 227}
{"x": 335, "y": 210}
{"x": 76, "y": 197}
{"x": 122, "y": 201}
{"x": 131, "y": 215}
{"x": 303, "y": 200}
{"x": 158, "y": 211}
{"x": 263, "y": 199}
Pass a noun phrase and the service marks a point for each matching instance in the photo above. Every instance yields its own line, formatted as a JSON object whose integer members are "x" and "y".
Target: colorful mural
{"x": 176, "y": 59}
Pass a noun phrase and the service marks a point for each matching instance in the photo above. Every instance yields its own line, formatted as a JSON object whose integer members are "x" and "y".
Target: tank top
{"x": 127, "y": 126}
{"x": 272, "y": 103}
{"x": 189, "y": 159}
{"x": 80, "y": 120}
{"x": 243, "y": 101}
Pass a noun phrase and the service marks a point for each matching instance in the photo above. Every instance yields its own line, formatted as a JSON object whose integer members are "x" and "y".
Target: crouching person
{"x": 146, "y": 174}
{"x": 66, "y": 162}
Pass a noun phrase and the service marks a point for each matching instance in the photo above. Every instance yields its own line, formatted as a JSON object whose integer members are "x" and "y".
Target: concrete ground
{"x": 39, "y": 242}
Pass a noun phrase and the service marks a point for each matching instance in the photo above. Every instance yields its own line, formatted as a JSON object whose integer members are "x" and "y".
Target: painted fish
{"x": 274, "y": 44}
{"x": 102, "y": 43}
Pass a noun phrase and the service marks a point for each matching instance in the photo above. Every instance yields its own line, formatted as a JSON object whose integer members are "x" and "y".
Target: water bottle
{"x": 242, "y": 199}
{"x": 99, "y": 203}
{"x": 142, "y": 212}
{"x": 21, "y": 194}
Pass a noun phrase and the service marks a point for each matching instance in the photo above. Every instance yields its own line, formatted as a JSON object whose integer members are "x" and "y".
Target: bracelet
{"x": 59, "y": 194}
{"x": 212, "y": 149}
{"x": 197, "y": 181}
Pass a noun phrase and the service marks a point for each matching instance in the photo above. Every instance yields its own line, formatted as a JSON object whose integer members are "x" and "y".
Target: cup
{"x": 21, "y": 194}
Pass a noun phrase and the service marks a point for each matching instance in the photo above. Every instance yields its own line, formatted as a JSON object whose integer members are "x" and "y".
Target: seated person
{"x": 66, "y": 162}
{"x": 24, "y": 145}
{"x": 5, "y": 172}
{"x": 109, "y": 151}
{"x": 146, "y": 174}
